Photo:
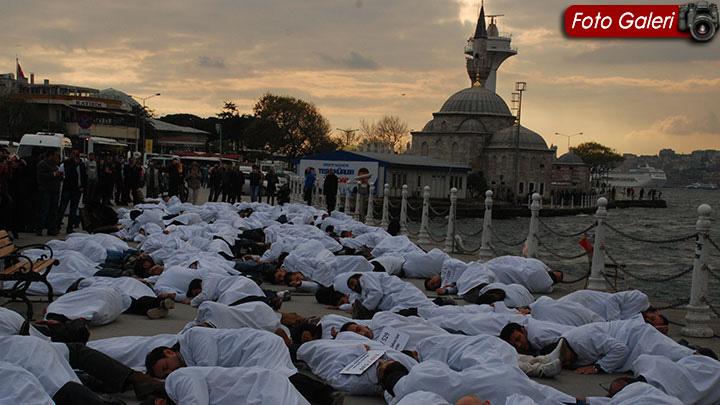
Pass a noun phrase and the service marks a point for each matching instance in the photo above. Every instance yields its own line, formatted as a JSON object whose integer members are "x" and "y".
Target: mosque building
{"x": 475, "y": 126}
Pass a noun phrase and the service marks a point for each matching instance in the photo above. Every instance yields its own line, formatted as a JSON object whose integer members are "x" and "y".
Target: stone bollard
{"x": 423, "y": 236}
{"x": 485, "y": 250}
{"x": 697, "y": 317}
{"x": 356, "y": 215}
{"x": 386, "y": 207}
{"x": 531, "y": 243}
{"x": 403, "y": 210}
{"x": 338, "y": 198}
{"x": 348, "y": 198}
{"x": 597, "y": 280}
{"x": 370, "y": 216}
{"x": 450, "y": 236}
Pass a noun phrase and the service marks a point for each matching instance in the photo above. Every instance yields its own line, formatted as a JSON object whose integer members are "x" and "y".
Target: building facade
{"x": 571, "y": 174}
{"x": 73, "y": 110}
{"x": 475, "y": 126}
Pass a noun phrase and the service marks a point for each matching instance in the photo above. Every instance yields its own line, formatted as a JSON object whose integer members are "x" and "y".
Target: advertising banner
{"x": 346, "y": 171}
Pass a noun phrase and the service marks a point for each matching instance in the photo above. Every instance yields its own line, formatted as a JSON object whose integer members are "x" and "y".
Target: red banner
{"x": 623, "y": 21}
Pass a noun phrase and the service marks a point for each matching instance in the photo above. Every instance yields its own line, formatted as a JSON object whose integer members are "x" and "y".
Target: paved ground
{"x": 130, "y": 325}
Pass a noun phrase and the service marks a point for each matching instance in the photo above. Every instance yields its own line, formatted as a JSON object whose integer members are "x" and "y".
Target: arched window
{"x": 454, "y": 151}
{"x": 424, "y": 149}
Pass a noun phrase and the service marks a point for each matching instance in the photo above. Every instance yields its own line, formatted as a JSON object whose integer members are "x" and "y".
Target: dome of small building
{"x": 529, "y": 140}
{"x": 570, "y": 158}
{"x": 129, "y": 103}
{"x": 475, "y": 100}
{"x": 471, "y": 125}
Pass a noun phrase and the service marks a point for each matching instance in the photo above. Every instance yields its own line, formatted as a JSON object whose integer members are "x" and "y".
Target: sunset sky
{"x": 356, "y": 58}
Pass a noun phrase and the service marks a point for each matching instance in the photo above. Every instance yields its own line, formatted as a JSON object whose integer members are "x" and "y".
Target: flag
{"x": 586, "y": 244}
{"x": 18, "y": 71}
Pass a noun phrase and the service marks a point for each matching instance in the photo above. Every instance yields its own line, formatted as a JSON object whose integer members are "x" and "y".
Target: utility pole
{"x": 141, "y": 140}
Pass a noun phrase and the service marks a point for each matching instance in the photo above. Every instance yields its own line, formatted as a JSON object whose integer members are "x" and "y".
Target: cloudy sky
{"x": 361, "y": 59}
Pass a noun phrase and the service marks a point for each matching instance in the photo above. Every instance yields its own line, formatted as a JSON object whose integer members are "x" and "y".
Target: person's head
{"x": 618, "y": 384}
{"x": 306, "y": 332}
{"x": 53, "y": 157}
{"x": 491, "y": 296}
{"x": 162, "y": 361}
{"x": 393, "y": 228}
{"x": 279, "y": 276}
{"x": 330, "y": 172}
{"x": 656, "y": 319}
{"x": 346, "y": 234}
{"x": 135, "y": 213}
{"x": 76, "y": 155}
{"x": 389, "y": 372}
{"x": 516, "y": 335}
{"x": 91, "y": 156}
{"x": 433, "y": 283}
{"x": 293, "y": 278}
{"x": 556, "y": 276}
{"x": 471, "y": 400}
{"x": 330, "y": 229}
{"x": 143, "y": 265}
{"x": 194, "y": 288}
{"x": 353, "y": 283}
{"x": 361, "y": 330}
{"x": 281, "y": 258}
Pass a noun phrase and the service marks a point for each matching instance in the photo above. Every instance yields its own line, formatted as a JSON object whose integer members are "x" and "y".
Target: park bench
{"x": 18, "y": 271}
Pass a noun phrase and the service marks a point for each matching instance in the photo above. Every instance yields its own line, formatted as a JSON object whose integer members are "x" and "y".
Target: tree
{"x": 295, "y": 126}
{"x": 18, "y": 118}
{"x": 390, "y": 130}
{"x": 600, "y": 157}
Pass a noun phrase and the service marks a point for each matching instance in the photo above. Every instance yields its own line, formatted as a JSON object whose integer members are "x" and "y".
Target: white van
{"x": 33, "y": 145}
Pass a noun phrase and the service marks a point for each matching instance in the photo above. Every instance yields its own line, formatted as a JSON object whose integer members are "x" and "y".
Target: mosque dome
{"x": 529, "y": 140}
{"x": 475, "y": 100}
{"x": 471, "y": 125}
{"x": 571, "y": 158}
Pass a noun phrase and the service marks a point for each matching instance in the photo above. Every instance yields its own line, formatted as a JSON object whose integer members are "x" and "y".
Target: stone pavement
{"x": 133, "y": 325}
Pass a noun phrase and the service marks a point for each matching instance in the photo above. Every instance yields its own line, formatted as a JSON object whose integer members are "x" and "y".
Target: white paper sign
{"x": 392, "y": 337}
{"x": 362, "y": 363}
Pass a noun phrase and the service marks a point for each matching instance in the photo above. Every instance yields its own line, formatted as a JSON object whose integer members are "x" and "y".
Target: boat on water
{"x": 647, "y": 177}
{"x": 702, "y": 186}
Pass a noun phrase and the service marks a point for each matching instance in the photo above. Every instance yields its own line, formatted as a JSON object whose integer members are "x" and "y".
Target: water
{"x": 645, "y": 259}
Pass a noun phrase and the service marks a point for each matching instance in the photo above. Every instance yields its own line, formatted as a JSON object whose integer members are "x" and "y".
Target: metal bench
{"x": 18, "y": 271}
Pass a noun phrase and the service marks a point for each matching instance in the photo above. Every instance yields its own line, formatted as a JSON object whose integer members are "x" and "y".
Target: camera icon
{"x": 700, "y": 18}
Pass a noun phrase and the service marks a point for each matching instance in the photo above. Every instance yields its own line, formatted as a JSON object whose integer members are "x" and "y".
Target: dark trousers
{"x": 315, "y": 391}
{"x": 331, "y": 200}
{"x": 473, "y": 295}
{"x": 308, "y": 195}
{"x": 48, "y": 210}
{"x": 74, "y": 393}
{"x": 141, "y": 305}
{"x": 270, "y": 195}
{"x": 91, "y": 191}
{"x": 110, "y": 372}
{"x": 71, "y": 197}
{"x": 214, "y": 194}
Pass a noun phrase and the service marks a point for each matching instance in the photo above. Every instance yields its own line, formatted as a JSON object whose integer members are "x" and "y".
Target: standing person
{"x": 106, "y": 180}
{"x": 74, "y": 183}
{"x": 133, "y": 179}
{"x": 309, "y": 184}
{"x": 152, "y": 180}
{"x": 237, "y": 182}
{"x": 204, "y": 175}
{"x": 226, "y": 179}
{"x": 91, "y": 173}
{"x": 194, "y": 182}
{"x": 330, "y": 188}
{"x": 48, "y": 181}
{"x": 22, "y": 186}
{"x": 6, "y": 201}
{"x": 175, "y": 177}
{"x": 255, "y": 183}
{"x": 117, "y": 170}
{"x": 272, "y": 179}
{"x": 215, "y": 182}
{"x": 642, "y": 193}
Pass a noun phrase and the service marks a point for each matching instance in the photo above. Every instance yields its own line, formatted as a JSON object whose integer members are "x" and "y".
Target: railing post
{"x": 338, "y": 198}
{"x": 450, "y": 236}
{"x": 356, "y": 215}
{"x": 403, "y": 210}
{"x": 423, "y": 236}
{"x": 486, "y": 237}
{"x": 386, "y": 207}
{"x": 697, "y": 317}
{"x": 348, "y": 198}
{"x": 531, "y": 242}
{"x": 369, "y": 216}
{"x": 596, "y": 281}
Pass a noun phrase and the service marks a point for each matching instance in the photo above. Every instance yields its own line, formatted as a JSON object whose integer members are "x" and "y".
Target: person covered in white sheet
{"x": 382, "y": 292}
{"x": 229, "y": 290}
{"x": 634, "y": 392}
{"x": 694, "y": 380}
{"x": 223, "y": 385}
{"x": 327, "y": 357}
{"x": 531, "y": 273}
{"x": 21, "y": 387}
{"x": 244, "y": 347}
{"x": 495, "y": 383}
{"x": 132, "y": 350}
{"x": 562, "y": 312}
{"x": 413, "y": 264}
{"x": 610, "y": 306}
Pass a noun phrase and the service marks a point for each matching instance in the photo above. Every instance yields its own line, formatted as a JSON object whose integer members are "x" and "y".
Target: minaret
{"x": 486, "y": 51}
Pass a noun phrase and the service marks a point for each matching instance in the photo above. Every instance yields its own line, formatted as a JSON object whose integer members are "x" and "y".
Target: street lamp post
{"x": 517, "y": 97}
{"x": 568, "y": 137}
{"x": 141, "y": 141}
